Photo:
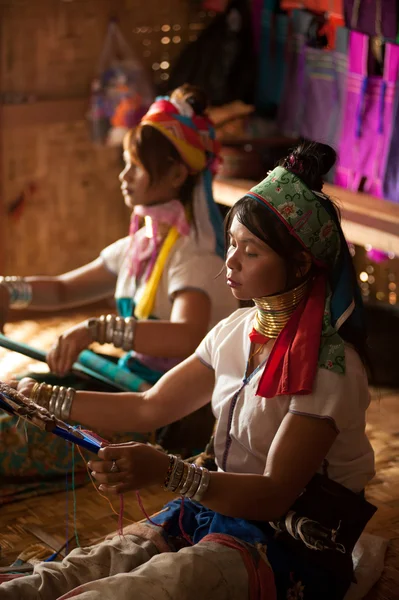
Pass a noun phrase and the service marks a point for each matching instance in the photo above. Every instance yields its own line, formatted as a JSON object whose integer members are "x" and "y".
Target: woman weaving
{"x": 163, "y": 274}
{"x": 290, "y": 393}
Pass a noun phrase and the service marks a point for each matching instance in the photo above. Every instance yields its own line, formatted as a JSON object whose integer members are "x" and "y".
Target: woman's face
{"x": 253, "y": 268}
{"x": 137, "y": 189}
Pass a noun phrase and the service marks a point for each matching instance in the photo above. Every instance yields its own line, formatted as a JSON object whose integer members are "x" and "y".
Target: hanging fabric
{"x": 367, "y": 119}
{"x": 291, "y": 105}
{"x": 121, "y": 90}
{"x": 271, "y": 57}
{"x": 324, "y": 90}
{"x": 368, "y": 17}
{"x": 332, "y": 9}
{"x": 222, "y": 60}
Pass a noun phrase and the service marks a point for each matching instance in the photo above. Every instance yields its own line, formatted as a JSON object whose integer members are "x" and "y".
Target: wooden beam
{"x": 45, "y": 112}
{"x": 365, "y": 219}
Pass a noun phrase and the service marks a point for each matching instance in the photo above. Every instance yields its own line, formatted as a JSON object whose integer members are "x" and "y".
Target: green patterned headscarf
{"x": 313, "y": 220}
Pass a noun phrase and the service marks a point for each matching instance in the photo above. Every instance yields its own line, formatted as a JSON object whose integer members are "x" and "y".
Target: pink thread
{"x": 143, "y": 510}
{"x": 120, "y": 516}
{"x": 184, "y": 534}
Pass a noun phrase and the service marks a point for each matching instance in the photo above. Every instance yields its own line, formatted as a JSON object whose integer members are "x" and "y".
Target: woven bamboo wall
{"x": 49, "y": 50}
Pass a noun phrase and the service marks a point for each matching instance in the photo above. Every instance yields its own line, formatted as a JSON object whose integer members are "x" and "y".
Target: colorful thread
{"x": 67, "y": 507}
{"x": 74, "y": 497}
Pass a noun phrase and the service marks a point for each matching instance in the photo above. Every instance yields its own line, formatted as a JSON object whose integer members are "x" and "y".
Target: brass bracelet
{"x": 43, "y": 395}
{"x": 34, "y": 392}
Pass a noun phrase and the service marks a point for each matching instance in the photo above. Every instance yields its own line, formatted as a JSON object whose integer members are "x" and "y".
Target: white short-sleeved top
{"x": 186, "y": 267}
{"x": 247, "y": 423}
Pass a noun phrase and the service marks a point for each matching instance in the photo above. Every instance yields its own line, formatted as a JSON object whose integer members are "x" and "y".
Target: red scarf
{"x": 292, "y": 364}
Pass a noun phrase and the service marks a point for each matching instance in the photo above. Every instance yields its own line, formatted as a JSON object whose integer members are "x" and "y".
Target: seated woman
{"x": 164, "y": 274}
{"x": 290, "y": 393}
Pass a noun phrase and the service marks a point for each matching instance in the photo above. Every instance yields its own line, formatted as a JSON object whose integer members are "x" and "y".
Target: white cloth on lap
{"x": 368, "y": 561}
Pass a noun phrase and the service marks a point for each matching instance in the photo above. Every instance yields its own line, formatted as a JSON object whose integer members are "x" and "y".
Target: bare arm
{"x": 179, "y": 337}
{"x": 176, "y": 338}
{"x": 178, "y": 393}
{"x": 82, "y": 286}
{"x": 297, "y": 451}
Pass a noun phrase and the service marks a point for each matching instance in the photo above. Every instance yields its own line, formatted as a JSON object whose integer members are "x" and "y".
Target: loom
{"x": 16, "y": 404}
{"x": 88, "y": 364}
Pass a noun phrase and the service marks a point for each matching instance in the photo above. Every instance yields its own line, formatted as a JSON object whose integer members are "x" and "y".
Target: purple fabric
{"x": 368, "y": 16}
{"x": 324, "y": 91}
{"x": 367, "y": 118}
{"x": 291, "y": 106}
{"x": 391, "y": 180}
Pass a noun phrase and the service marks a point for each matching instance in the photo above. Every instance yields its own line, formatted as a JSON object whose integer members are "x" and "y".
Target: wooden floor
{"x": 94, "y": 517}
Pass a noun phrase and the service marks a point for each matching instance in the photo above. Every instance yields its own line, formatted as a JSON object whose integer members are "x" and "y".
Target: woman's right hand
{"x": 67, "y": 349}
{"x": 4, "y": 306}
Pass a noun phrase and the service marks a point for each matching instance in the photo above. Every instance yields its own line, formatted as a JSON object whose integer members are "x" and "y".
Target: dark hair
{"x": 150, "y": 148}
{"x": 309, "y": 161}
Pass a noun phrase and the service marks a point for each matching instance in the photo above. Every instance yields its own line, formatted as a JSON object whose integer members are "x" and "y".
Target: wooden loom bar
{"x": 365, "y": 219}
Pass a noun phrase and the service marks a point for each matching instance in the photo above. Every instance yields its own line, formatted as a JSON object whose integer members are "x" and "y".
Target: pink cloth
{"x": 143, "y": 248}
{"x": 367, "y": 119}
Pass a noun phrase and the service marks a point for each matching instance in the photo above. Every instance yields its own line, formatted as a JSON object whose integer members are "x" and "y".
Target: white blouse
{"x": 247, "y": 423}
{"x": 186, "y": 268}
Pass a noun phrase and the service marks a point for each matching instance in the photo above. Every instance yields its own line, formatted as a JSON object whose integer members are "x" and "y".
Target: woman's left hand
{"x": 138, "y": 466}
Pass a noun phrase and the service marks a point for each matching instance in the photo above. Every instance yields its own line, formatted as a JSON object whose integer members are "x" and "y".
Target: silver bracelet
{"x": 20, "y": 291}
{"x": 194, "y": 486}
{"x": 119, "y": 332}
{"x": 102, "y": 329}
{"x": 189, "y": 480}
{"x": 110, "y": 328}
{"x": 128, "y": 338}
{"x": 59, "y": 402}
{"x": 176, "y": 476}
{"x": 54, "y": 396}
{"x": 67, "y": 404}
{"x": 203, "y": 486}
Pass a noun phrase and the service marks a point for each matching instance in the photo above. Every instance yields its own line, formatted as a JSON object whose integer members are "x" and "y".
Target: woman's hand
{"x": 24, "y": 386}
{"x": 139, "y": 465}
{"x": 67, "y": 349}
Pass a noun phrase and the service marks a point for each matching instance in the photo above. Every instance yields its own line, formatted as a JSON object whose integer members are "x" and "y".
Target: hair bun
{"x": 193, "y": 95}
{"x": 310, "y": 161}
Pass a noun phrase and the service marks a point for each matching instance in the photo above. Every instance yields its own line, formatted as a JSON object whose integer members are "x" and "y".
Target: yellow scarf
{"x": 146, "y": 304}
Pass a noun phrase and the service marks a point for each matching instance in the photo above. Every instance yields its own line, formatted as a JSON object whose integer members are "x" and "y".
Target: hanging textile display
{"x": 368, "y": 17}
{"x": 391, "y": 177}
{"x": 121, "y": 91}
{"x": 324, "y": 90}
{"x": 367, "y": 118}
{"x": 333, "y": 11}
{"x": 222, "y": 60}
{"x": 291, "y": 105}
{"x": 271, "y": 57}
